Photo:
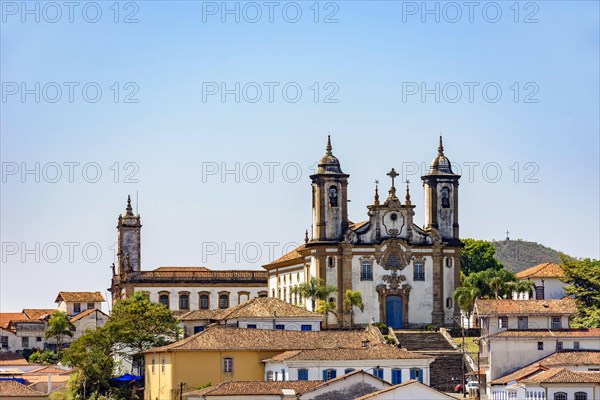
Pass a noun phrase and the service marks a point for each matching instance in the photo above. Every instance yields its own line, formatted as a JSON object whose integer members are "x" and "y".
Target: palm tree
{"x": 465, "y": 297}
{"x": 522, "y": 286}
{"x": 314, "y": 290}
{"x": 327, "y": 307}
{"x": 353, "y": 298}
{"x": 59, "y": 325}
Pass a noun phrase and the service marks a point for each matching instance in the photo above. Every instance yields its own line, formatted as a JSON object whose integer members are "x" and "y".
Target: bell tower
{"x": 441, "y": 197}
{"x": 129, "y": 245}
{"x": 329, "y": 198}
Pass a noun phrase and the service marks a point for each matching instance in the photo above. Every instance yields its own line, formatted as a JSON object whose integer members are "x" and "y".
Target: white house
{"x": 257, "y": 313}
{"x": 499, "y": 315}
{"x": 87, "y": 320}
{"x": 407, "y": 390}
{"x": 386, "y": 362}
{"x": 514, "y": 385}
{"x": 73, "y": 303}
{"x": 547, "y": 279}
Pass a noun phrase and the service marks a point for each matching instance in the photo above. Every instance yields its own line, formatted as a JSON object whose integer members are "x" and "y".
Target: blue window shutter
{"x": 421, "y": 375}
{"x": 280, "y": 327}
{"x": 348, "y": 370}
{"x": 413, "y": 374}
{"x": 306, "y": 327}
{"x": 333, "y": 373}
{"x": 325, "y": 375}
{"x": 302, "y": 374}
{"x": 396, "y": 376}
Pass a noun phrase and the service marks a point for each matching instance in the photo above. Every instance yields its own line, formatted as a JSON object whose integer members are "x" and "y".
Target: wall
{"x": 534, "y": 322}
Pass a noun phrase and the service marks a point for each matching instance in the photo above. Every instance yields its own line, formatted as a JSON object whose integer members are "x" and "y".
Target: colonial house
{"x": 73, "y": 303}
{"x": 87, "y": 320}
{"x": 18, "y": 332}
{"x": 499, "y": 315}
{"x": 407, "y": 390}
{"x": 257, "y": 313}
{"x": 220, "y": 353}
{"x": 406, "y": 273}
{"x": 346, "y": 386}
{"x": 389, "y": 363}
{"x": 514, "y": 385}
{"x": 547, "y": 279}
{"x": 181, "y": 289}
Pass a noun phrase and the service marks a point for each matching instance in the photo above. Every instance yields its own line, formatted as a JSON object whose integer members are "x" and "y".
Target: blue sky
{"x": 370, "y": 67}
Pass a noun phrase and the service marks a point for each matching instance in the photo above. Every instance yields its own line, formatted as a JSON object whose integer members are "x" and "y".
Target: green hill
{"x": 517, "y": 255}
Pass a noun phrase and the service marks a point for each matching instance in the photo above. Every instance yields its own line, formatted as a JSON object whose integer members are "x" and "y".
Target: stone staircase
{"x": 446, "y": 370}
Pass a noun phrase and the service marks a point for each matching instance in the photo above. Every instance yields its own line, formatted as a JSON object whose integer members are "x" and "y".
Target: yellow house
{"x": 219, "y": 354}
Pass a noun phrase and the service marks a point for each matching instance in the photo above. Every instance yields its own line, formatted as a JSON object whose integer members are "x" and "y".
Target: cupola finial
{"x": 128, "y": 209}
{"x": 328, "y": 148}
{"x": 376, "y": 201}
{"x": 441, "y": 147}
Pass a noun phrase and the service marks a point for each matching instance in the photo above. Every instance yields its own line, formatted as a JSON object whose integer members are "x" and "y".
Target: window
{"x": 576, "y": 346}
{"x": 90, "y": 306}
{"x": 198, "y": 329}
{"x": 559, "y": 346}
{"x": 396, "y": 376}
{"x": 263, "y": 294}
{"x": 560, "y": 396}
{"x": 503, "y": 322}
{"x": 269, "y": 375}
{"x": 272, "y": 292}
{"x": 224, "y": 301}
{"x": 366, "y": 272}
{"x": 378, "y": 372}
{"x": 348, "y": 370}
{"x": 282, "y": 374}
{"x": 448, "y": 262}
{"x": 25, "y": 342}
{"x": 333, "y": 196}
{"x": 4, "y": 342}
{"x": 184, "y": 301}
{"x": 329, "y": 374}
{"x": 523, "y": 322}
{"x": 330, "y": 262}
{"x": 445, "y": 197}
{"x": 228, "y": 365}
{"x": 540, "y": 345}
{"x": 306, "y": 327}
{"x": 417, "y": 374}
{"x": 204, "y": 304}
{"x": 153, "y": 363}
{"x": 419, "y": 271}
{"x": 539, "y": 293}
{"x": 280, "y": 327}
{"x": 556, "y": 323}
{"x": 76, "y": 307}
{"x": 449, "y": 302}
{"x": 162, "y": 366}
{"x": 38, "y": 339}
{"x": 164, "y": 299}
{"x": 251, "y": 326}
{"x": 302, "y": 374}
{"x": 580, "y": 396}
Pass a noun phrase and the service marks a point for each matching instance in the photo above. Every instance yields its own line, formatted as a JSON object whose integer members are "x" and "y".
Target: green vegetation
{"x": 136, "y": 324}
{"x": 45, "y": 357}
{"x": 314, "y": 290}
{"x": 326, "y": 307}
{"x": 517, "y": 255}
{"x": 59, "y": 326}
{"x": 478, "y": 255}
{"x": 583, "y": 283}
{"x": 353, "y": 298}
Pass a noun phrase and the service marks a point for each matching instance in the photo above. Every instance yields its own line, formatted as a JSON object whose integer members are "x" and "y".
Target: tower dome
{"x": 441, "y": 163}
{"x": 329, "y": 164}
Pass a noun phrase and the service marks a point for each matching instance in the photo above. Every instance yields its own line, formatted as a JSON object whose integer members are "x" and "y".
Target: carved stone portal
{"x": 394, "y": 286}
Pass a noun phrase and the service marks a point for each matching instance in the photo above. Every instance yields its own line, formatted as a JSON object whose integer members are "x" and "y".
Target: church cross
{"x": 393, "y": 174}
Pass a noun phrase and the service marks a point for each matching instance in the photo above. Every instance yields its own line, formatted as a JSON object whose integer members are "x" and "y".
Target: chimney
{"x": 288, "y": 393}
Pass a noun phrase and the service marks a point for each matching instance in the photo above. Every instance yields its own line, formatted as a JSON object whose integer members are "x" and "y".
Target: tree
{"x": 583, "y": 283}
{"x": 326, "y": 307}
{"x": 314, "y": 290}
{"x": 465, "y": 297}
{"x": 353, "y": 298}
{"x": 478, "y": 255}
{"x": 59, "y": 326}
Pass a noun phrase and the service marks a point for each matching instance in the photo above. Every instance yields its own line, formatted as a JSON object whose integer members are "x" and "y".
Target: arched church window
{"x": 449, "y": 302}
{"x": 448, "y": 262}
{"x": 330, "y": 262}
{"x": 445, "y": 197}
{"x": 184, "y": 301}
{"x": 393, "y": 261}
{"x": 204, "y": 303}
{"x": 272, "y": 292}
{"x": 164, "y": 299}
{"x": 224, "y": 301}
{"x": 333, "y": 196}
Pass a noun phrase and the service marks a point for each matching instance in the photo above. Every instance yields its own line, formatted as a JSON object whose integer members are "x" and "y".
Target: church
{"x": 406, "y": 273}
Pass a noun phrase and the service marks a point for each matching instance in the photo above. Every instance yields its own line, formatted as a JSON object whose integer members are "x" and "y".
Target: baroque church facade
{"x": 406, "y": 273}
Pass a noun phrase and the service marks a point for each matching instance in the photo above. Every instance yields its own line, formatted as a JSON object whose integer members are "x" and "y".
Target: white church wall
{"x": 194, "y": 294}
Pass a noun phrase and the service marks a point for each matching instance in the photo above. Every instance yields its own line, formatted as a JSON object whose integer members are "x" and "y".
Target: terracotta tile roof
{"x": 9, "y": 359}
{"x": 563, "y": 375}
{"x": 7, "y": 318}
{"x": 356, "y": 226}
{"x": 91, "y": 297}
{"x": 561, "y": 358}
{"x": 407, "y": 383}
{"x": 38, "y": 313}
{"x": 197, "y": 315}
{"x": 346, "y": 376}
{"x": 265, "y": 307}
{"x": 377, "y": 352}
{"x": 15, "y": 389}
{"x": 293, "y": 255}
{"x": 220, "y": 338}
{"x": 545, "y": 270}
{"x": 521, "y": 307}
{"x": 50, "y": 370}
{"x": 207, "y": 275}
{"x": 85, "y": 313}
{"x": 583, "y": 332}
{"x": 254, "y": 388}
{"x": 181, "y": 269}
